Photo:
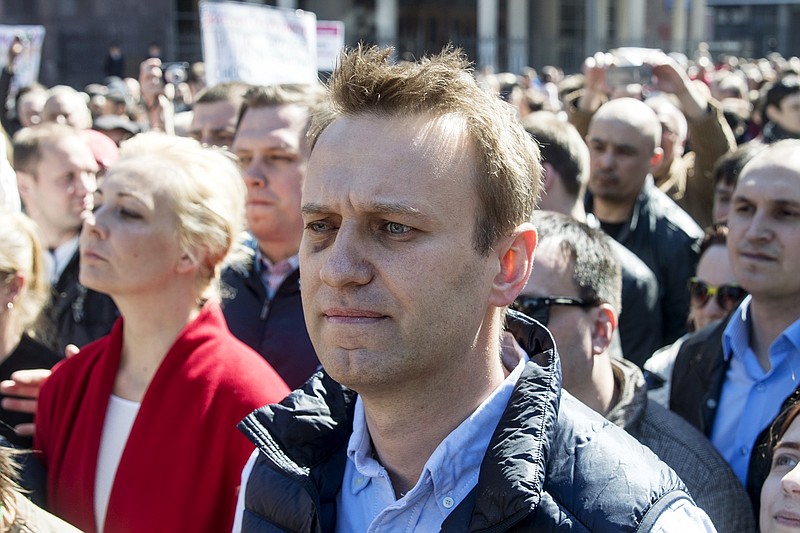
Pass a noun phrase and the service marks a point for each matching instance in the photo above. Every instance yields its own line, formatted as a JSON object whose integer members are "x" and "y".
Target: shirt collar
{"x": 454, "y": 466}
{"x": 61, "y": 257}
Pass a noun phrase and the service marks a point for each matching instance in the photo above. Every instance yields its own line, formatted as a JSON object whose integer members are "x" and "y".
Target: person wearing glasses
{"x": 575, "y": 292}
{"x": 713, "y": 293}
{"x": 565, "y": 161}
{"x": 731, "y": 379}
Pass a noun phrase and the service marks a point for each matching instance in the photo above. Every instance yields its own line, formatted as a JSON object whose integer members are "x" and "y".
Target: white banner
{"x": 258, "y": 44}
{"x": 26, "y": 65}
{"x": 330, "y": 41}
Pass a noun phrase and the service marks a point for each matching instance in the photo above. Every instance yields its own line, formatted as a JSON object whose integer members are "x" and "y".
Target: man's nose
{"x": 345, "y": 262}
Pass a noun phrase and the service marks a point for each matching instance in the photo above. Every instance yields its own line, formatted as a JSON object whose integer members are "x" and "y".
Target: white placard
{"x": 258, "y": 44}
{"x": 330, "y": 41}
{"x": 26, "y": 65}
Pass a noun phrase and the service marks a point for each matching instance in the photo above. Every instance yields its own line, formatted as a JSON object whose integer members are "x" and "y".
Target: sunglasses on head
{"x": 727, "y": 296}
{"x": 538, "y": 307}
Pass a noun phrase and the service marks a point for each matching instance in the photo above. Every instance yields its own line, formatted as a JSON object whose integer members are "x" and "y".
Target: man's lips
{"x": 789, "y": 518}
{"x": 348, "y": 315}
{"x": 756, "y": 256}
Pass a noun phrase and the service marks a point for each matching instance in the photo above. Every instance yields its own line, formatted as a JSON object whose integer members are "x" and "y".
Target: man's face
{"x": 394, "y": 293}
{"x": 722, "y": 201}
{"x": 621, "y": 158}
{"x": 787, "y": 115}
{"x": 764, "y": 229}
{"x": 271, "y": 147}
{"x": 214, "y": 123}
{"x": 67, "y": 109}
{"x": 571, "y": 326}
{"x": 30, "y": 109}
{"x": 60, "y": 193}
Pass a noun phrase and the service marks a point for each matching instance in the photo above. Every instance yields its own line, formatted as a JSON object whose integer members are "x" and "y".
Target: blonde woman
{"x": 138, "y": 431}
{"x": 23, "y": 292}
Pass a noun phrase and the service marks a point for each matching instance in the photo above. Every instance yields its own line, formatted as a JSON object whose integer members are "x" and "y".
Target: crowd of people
{"x": 413, "y": 298}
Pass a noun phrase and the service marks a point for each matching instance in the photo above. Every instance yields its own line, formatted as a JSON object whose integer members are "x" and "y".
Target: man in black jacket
{"x": 263, "y": 306}
{"x": 56, "y": 177}
{"x": 415, "y": 206}
{"x": 624, "y": 143}
{"x": 565, "y": 158}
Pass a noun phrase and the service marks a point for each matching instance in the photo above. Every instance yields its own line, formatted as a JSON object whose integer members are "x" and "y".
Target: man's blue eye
{"x": 397, "y": 229}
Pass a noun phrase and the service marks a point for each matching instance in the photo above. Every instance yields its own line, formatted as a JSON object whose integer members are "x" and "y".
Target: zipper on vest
{"x": 264, "y": 309}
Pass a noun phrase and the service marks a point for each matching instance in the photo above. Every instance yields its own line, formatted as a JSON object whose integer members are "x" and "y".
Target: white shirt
{"x": 60, "y": 258}
{"x": 120, "y": 415}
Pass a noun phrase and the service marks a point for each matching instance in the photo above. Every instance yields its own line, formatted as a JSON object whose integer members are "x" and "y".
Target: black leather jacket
{"x": 667, "y": 240}
{"x": 76, "y": 315}
{"x": 552, "y": 464}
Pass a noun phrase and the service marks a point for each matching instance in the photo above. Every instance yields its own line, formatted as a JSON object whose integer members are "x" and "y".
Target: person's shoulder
{"x": 601, "y": 450}
{"x": 710, "y": 334}
{"x": 593, "y": 460}
{"x": 230, "y": 364}
{"x": 672, "y": 218}
{"x": 673, "y": 439}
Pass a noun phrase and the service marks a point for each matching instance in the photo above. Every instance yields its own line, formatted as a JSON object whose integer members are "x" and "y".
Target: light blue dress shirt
{"x": 751, "y": 398}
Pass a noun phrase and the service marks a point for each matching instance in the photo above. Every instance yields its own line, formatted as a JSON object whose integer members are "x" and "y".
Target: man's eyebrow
{"x": 387, "y": 208}
{"x": 792, "y": 445}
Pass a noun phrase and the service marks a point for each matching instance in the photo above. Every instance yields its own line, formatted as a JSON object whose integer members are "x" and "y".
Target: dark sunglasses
{"x": 727, "y": 296}
{"x": 538, "y": 307}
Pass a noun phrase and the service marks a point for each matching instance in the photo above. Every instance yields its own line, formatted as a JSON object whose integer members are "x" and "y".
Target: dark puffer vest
{"x": 552, "y": 464}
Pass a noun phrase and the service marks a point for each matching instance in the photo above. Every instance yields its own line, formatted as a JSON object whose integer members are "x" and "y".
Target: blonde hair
{"x": 207, "y": 190}
{"x": 509, "y": 174}
{"x": 21, "y": 255}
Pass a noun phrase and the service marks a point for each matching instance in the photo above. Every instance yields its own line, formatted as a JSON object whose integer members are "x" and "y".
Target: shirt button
{"x": 359, "y": 480}
{"x": 711, "y": 403}
{"x": 744, "y": 450}
{"x": 760, "y": 387}
{"x": 448, "y": 502}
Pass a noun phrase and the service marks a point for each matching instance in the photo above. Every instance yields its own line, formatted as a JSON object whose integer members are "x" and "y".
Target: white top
{"x": 120, "y": 416}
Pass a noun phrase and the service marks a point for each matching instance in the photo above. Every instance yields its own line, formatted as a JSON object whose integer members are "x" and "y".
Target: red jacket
{"x": 181, "y": 466}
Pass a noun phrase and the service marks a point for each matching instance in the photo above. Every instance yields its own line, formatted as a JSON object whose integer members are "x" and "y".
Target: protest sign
{"x": 26, "y": 65}
{"x": 330, "y": 41}
{"x": 258, "y": 44}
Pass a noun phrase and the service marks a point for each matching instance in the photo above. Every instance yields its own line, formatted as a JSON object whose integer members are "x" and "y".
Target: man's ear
{"x": 25, "y": 184}
{"x": 515, "y": 265}
{"x": 603, "y": 328}
{"x": 548, "y": 177}
{"x": 656, "y": 158}
{"x": 772, "y": 111}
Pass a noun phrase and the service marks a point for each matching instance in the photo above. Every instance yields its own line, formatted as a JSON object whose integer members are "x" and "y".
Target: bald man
{"x": 624, "y": 144}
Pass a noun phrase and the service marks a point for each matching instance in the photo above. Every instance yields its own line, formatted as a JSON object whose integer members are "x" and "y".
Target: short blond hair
{"x": 207, "y": 190}
{"x": 509, "y": 174}
{"x": 21, "y": 255}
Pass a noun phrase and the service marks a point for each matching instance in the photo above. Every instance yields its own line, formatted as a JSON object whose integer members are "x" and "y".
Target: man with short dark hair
{"x": 732, "y": 378}
{"x": 215, "y": 113}
{"x": 575, "y": 292}
{"x": 415, "y": 206}
{"x": 782, "y": 110}
{"x": 264, "y": 307}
